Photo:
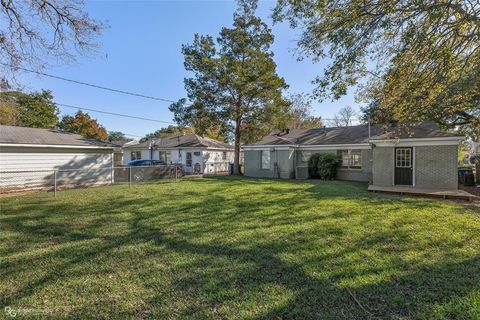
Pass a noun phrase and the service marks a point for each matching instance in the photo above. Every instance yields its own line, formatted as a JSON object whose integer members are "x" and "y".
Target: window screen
{"x": 265, "y": 159}
{"x": 189, "y": 159}
{"x": 165, "y": 157}
{"x": 136, "y": 155}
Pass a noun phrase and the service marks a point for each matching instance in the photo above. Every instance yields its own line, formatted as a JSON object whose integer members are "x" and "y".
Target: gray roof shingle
{"x": 182, "y": 141}
{"x": 354, "y": 134}
{"x": 37, "y": 136}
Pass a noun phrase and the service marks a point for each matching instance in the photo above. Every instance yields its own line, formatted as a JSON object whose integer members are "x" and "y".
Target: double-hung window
{"x": 224, "y": 155}
{"x": 345, "y": 158}
{"x": 351, "y": 159}
{"x": 136, "y": 155}
{"x": 265, "y": 159}
{"x": 356, "y": 159}
{"x": 165, "y": 157}
{"x": 188, "y": 159}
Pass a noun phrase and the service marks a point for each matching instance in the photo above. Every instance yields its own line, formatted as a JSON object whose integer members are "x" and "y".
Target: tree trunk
{"x": 477, "y": 169}
{"x": 236, "y": 160}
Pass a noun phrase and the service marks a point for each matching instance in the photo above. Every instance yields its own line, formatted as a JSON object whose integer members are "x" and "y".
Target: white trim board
{"x": 265, "y": 147}
{"x": 53, "y": 146}
{"x": 364, "y": 146}
{"x": 409, "y": 142}
{"x": 179, "y": 148}
{"x": 361, "y": 146}
{"x": 445, "y": 141}
{"x": 417, "y": 143}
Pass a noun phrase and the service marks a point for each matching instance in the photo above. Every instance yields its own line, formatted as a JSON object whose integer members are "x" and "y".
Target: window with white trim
{"x": 224, "y": 155}
{"x": 136, "y": 155}
{"x": 265, "y": 159}
{"x": 403, "y": 158}
{"x": 351, "y": 159}
{"x": 345, "y": 158}
{"x": 165, "y": 157}
{"x": 188, "y": 159}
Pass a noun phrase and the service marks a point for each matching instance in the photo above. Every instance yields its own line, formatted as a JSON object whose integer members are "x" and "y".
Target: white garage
{"x": 32, "y": 158}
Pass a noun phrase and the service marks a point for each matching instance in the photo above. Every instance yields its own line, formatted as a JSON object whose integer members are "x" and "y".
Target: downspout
{"x": 151, "y": 150}
{"x": 275, "y": 164}
{"x": 294, "y": 163}
{"x": 373, "y": 160}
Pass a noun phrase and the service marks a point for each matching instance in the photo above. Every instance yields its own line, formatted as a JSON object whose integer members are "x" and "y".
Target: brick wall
{"x": 383, "y": 166}
{"x": 284, "y": 159}
{"x": 436, "y": 167}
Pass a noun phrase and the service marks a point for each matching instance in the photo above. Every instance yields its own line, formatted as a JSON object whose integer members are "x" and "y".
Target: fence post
{"x": 111, "y": 175}
{"x": 175, "y": 173}
{"x": 129, "y": 176}
{"x": 55, "y": 182}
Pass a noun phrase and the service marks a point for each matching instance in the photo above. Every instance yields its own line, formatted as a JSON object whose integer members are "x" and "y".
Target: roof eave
{"x": 63, "y": 146}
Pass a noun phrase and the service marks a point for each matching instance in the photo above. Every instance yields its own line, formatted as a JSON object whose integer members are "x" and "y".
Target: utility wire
{"x": 89, "y": 84}
{"x": 132, "y": 135}
{"x": 113, "y": 113}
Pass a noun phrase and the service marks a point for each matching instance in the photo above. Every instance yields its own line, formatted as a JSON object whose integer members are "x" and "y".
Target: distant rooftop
{"x": 354, "y": 134}
{"x": 37, "y": 136}
{"x": 182, "y": 141}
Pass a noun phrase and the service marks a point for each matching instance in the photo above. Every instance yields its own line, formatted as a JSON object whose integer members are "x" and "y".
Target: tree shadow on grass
{"x": 409, "y": 295}
{"x": 225, "y": 273}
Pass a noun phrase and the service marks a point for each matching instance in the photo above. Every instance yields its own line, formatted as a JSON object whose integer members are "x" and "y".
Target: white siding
{"x": 73, "y": 166}
{"x": 214, "y": 161}
{"x": 209, "y": 160}
{"x": 127, "y": 155}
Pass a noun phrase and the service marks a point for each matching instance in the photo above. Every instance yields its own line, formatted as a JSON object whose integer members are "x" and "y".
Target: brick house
{"x": 416, "y": 154}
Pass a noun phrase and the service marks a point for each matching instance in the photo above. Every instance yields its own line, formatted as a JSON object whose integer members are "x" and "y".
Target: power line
{"x": 131, "y": 135}
{"x": 90, "y": 84}
{"x": 113, "y": 113}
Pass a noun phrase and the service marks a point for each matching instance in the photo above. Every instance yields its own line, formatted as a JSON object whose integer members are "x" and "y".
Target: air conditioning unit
{"x": 301, "y": 172}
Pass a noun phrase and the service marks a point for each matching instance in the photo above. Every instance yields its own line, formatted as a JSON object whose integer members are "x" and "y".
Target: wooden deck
{"x": 442, "y": 193}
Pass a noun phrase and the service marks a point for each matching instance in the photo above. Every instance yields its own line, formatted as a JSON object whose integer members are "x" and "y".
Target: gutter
{"x": 69, "y": 146}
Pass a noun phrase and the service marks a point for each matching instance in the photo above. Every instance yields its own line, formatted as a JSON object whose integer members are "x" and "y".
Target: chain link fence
{"x": 59, "y": 179}
{"x": 55, "y": 180}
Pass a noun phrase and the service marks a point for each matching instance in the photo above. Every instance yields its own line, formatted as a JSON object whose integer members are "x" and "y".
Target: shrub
{"x": 323, "y": 166}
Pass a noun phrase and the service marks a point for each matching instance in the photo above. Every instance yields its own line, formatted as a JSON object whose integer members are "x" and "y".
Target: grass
{"x": 238, "y": 248}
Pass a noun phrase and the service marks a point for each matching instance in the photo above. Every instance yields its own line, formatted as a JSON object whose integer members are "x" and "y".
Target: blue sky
{"x": 141, "y": 52}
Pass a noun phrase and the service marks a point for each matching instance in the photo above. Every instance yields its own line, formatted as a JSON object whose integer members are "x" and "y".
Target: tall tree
{"x": 83, "y": 124}
{"x": 167, "y": 132}
{"x": 344, "y": 117}
{"x": 35, "y": 110}
{"x": 35, "y": 30}
{"x": 300, "y": 112}
{"x": 235, "y": 86}
{"x": 117, "y": 135}
{"x": 421, "y": 59}
{"x": 172, "y": 130}
{"x": 9, "y": 113}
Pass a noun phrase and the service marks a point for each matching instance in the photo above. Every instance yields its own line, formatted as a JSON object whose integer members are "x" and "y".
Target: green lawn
{"x": 238, "y": 248}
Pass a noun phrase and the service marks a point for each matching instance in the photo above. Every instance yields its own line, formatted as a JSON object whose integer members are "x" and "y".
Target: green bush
{"x": 323, "y": 166}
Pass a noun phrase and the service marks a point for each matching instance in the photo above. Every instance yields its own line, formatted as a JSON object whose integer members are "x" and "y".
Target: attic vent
{"x": 301, "y": 172}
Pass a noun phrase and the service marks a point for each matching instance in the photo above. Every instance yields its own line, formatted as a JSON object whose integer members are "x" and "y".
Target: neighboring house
{"x": 196, "y": 154}
{"x": 118, "y": 151}
{"x": 29, "y": 157}
{"x": 418, "y": 154}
